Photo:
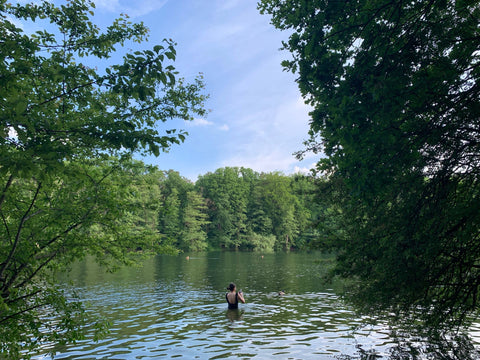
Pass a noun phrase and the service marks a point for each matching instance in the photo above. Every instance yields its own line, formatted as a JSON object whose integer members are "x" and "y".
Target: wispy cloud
{"x": 220, "y": 33}
{"x": 258, "y": 118}
{"x": 267, "y": 139}
{"x": 305, "y": 170}
{"x": 109, "y": 5}
{"x": 139, "y": 8}
{"x": 224, "y": 33}
{"x": 198, "y": 122}
{"x": 264, "y": 161}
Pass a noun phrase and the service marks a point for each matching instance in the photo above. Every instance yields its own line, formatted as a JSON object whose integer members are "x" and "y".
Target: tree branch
{"x": 65, "y": 93}
{"x": 32, "y": 275}
{"x": 7, "y": 185}
{"x": 25, "y": 217}
{"x": 23, "y": 297}
{"x": 22, "y": 312}
{"x": 7, "y": 229}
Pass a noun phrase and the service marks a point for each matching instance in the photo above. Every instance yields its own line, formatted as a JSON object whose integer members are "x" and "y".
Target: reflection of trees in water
{"x": 423, "y": 345}
{"x": 435, "y": 346}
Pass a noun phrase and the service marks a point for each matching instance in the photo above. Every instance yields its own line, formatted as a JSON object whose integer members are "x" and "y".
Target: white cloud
{"x": 264, "y": 161}
{"x": 269, "y": 160}
{"x": 109, "y": 5}
{"x": 266, "y": 140}
{"x": 305, "y": 170}
{"x": 199, "y": 122}
{"x": 282, "y": 123}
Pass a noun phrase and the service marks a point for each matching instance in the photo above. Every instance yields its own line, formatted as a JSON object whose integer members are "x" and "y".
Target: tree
{"x": 193, "y": 236}
{"x": 395, "y": 90}
{"x": 169, "y": 218}
{"x": 85, "y": 210}
{"x": 261, "y": 243}
{"x": 307, "y": 209}
{"x": 145, "y": 183}
{"x": 173, "y": 201}
{"x": 279, "y": 203}
{"x": 227, "y": 190}
{"x": 62, "y": 195}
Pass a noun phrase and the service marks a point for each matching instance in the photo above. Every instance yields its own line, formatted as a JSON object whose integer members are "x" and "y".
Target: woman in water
{"x": 233, "y": 296}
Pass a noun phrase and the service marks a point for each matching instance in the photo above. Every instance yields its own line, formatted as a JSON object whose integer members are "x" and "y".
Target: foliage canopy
{"x": 237, "y": 209}
{"x": 395, "y": 93}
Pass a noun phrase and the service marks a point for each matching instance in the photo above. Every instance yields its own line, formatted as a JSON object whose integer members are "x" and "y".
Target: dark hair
{"x": 231, "y": 287}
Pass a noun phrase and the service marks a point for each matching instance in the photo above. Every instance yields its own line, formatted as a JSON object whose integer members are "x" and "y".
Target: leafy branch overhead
{"x": 395, "y": 92}
{"x": 53, "y": 99}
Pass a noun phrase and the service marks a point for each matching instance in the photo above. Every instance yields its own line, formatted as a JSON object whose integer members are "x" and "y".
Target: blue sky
{"x": 258, "y": 118}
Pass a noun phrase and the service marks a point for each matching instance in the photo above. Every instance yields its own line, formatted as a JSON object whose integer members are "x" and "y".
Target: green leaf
{"x": 158, "y": 48}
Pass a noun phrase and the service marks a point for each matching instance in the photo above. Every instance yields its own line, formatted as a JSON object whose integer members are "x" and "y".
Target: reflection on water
{"x": 234, "y": 315}
{"x": 172, "y": 307}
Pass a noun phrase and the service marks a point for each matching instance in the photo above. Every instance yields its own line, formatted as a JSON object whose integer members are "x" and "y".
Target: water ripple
{"x": 171, "y": 318}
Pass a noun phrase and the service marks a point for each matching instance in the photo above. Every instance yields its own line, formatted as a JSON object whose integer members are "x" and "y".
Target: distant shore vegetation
{"x": 231, "y": 208}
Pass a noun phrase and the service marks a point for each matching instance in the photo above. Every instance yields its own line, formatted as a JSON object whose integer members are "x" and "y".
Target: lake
{"x": 174, "y": 307}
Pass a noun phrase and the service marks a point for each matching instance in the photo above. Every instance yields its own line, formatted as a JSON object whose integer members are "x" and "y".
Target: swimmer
{"x": 233, "y": 296}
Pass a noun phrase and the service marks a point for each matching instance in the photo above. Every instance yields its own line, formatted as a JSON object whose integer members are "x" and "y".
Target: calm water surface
{"x": 171, "y": 307}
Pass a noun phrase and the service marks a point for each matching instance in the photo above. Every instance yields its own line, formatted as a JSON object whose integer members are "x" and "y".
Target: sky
{"x": 257, "y": 118}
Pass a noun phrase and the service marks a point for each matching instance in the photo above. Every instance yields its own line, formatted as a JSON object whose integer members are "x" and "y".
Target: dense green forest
{"x": 233, "y": 208}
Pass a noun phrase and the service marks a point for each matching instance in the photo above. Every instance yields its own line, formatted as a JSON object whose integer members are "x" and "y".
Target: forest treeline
{"x": 231, "y": 208}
